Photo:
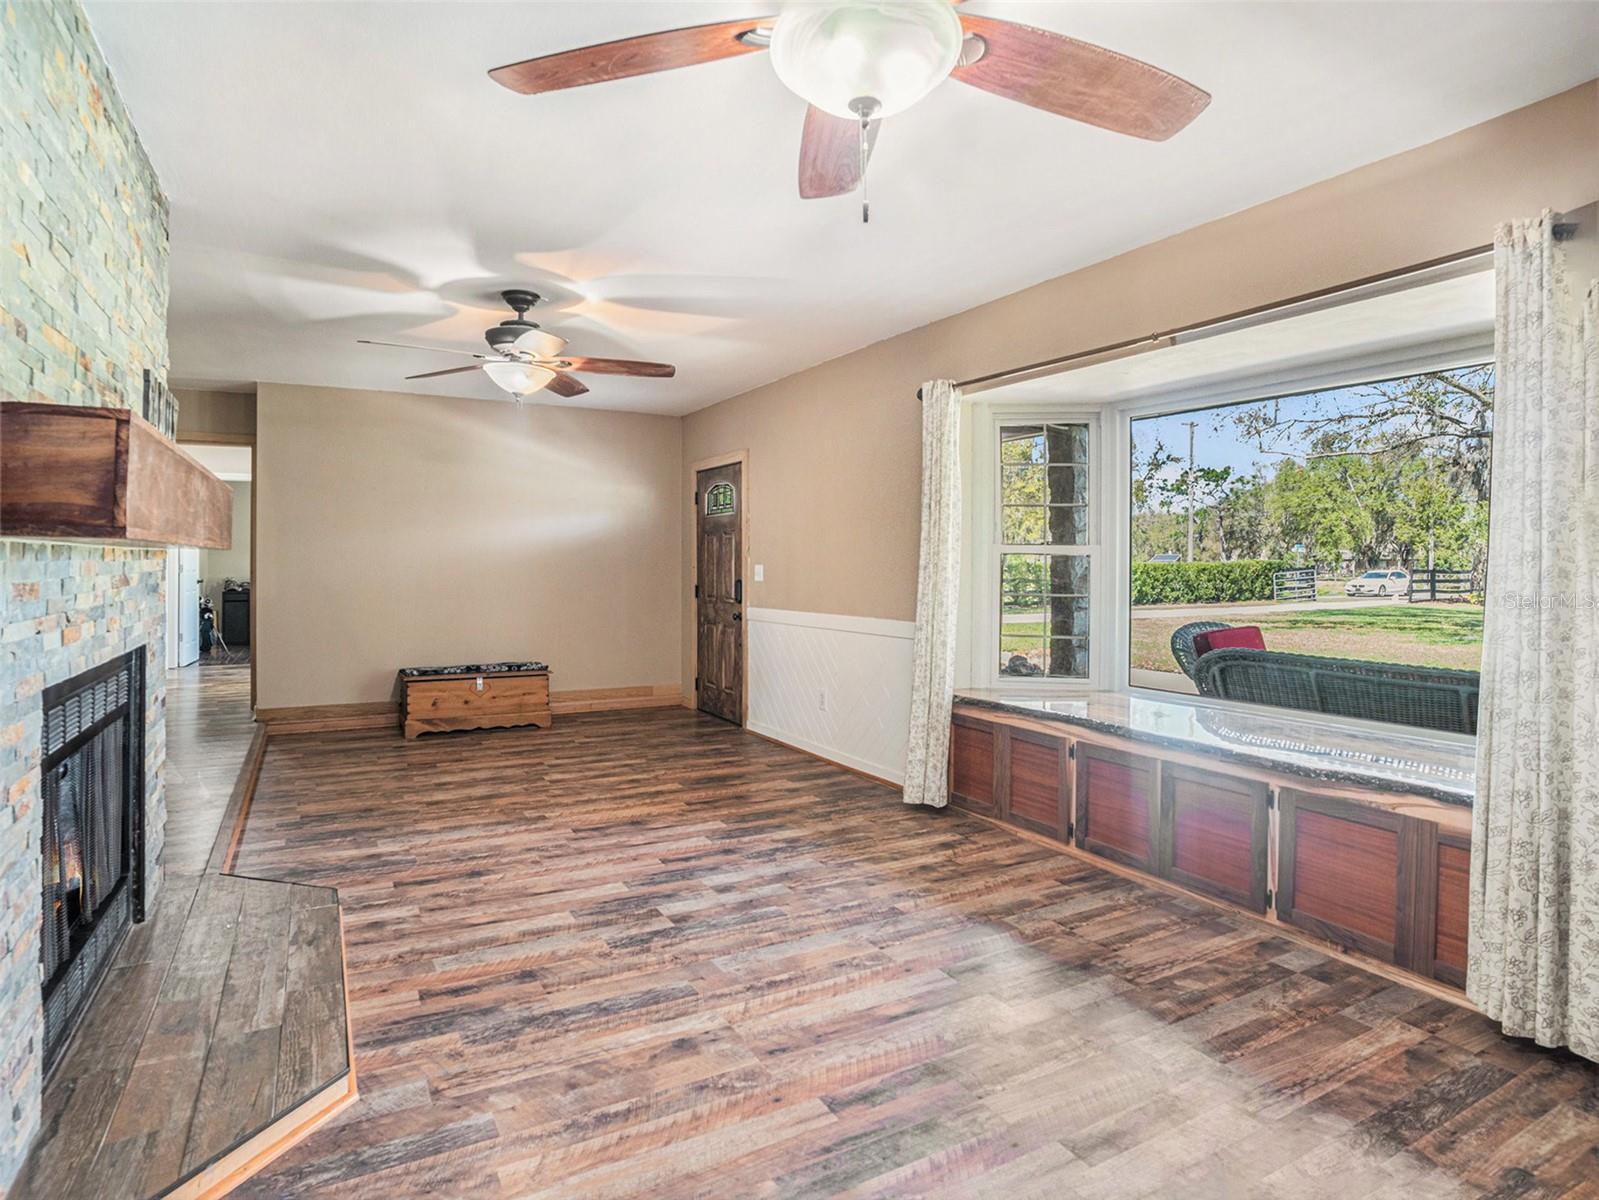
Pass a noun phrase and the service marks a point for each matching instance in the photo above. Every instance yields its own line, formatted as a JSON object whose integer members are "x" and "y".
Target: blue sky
{"x": 1218, "y": 442}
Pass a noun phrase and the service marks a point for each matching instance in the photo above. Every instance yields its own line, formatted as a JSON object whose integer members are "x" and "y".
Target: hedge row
{"x": 1205, "y": 582}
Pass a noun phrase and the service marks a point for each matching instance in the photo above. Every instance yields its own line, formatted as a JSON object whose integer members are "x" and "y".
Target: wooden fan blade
{"x": 620, "y": 366}
{"x": 631, "y": 56}
{"x": 830, "y": 154}
{"x": 406, "y": 346}
{"x": 446, "y": 371}
{"x": 565, "y": 385}
{"x": 1079, "y": 80}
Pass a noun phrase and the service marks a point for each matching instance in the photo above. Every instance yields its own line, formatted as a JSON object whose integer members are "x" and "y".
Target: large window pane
{"x": 1347, "y": 524}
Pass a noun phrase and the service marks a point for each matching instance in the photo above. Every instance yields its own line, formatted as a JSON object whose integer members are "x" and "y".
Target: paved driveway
{"x": 1258, "y": 608}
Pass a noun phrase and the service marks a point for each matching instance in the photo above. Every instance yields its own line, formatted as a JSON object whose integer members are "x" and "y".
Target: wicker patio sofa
{"x": 1426, "y": 697}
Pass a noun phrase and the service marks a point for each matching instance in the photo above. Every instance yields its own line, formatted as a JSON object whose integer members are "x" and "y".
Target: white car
{"x": 1379, "y": 583}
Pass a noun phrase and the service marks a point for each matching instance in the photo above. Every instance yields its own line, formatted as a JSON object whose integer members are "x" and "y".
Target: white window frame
{"x": 1325, "y": 375}
{"x": 984, "y": 537}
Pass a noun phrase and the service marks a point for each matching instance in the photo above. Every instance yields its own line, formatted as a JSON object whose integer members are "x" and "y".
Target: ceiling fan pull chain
{"x": 865, "y": 107}
{"x": 866, "y": 203}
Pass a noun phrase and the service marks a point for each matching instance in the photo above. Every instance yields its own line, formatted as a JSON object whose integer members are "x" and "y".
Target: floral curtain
{"x": 1534, "y": 957}
{"x": 937, "y": 598}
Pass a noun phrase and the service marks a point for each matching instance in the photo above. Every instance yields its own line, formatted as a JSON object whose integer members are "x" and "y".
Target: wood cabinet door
{"x": 974, "y": 764}
{"x": 1036, "y": 776}
{"x": 1117, "y": 805}
{"x": 1214, "y": 834}
{"x": 1346, "y": 872}
{"x": 1451, "y": 908}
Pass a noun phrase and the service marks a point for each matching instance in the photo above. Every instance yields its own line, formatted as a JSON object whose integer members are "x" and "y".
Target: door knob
{"x": 738, "y": 616}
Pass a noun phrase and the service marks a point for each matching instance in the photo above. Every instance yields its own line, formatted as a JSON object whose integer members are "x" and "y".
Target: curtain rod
{"x": 1563, "y": 226}
{"x": 1170, "y": 337}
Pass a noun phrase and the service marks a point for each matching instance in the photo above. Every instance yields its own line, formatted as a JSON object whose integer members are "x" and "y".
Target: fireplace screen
{"x": 91, "y": 862}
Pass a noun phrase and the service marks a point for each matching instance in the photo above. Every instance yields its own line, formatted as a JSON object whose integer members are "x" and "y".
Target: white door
{"x": 172, "y": 607}
{"x": 188, "y": 602}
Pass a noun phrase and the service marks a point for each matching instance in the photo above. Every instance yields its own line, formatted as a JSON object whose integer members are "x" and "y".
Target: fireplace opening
{"x": 92, "y": 859}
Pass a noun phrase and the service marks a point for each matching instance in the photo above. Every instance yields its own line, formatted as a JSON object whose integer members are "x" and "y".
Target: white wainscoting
{"x": 861, "y": 665}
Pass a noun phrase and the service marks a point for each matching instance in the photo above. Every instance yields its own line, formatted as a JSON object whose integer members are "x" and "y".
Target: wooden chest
{"x": 481, "y": 696}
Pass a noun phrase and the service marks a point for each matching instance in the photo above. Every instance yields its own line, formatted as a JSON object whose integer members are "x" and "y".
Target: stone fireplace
{"x": 68, "y": 610}
{"x": 91, "y": 862}
{"x": 85, "y": 316}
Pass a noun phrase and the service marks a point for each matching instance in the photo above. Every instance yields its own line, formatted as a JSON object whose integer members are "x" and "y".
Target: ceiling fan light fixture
{"x": 518, "y": 378}
{"x": 540, "y": 343}
{"x": 839, "y": 52}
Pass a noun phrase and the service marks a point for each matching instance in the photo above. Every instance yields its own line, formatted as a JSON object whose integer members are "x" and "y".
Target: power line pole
{"x": 1191, "y": 425}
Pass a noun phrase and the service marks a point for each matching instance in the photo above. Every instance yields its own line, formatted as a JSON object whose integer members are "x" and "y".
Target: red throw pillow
{"x": 1246, "y": 637}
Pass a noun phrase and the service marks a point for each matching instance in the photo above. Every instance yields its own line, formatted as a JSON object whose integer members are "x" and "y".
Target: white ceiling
{"x": 344, "y": 170}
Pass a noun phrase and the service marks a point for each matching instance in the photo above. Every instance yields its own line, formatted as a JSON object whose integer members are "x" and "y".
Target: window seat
{"x": 1359, "y": 837}
{"x": 1439, "y": 768}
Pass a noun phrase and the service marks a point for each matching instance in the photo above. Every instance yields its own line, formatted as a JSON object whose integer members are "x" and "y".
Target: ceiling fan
{"x": 858, "y": 61}
{"x": 527, "y": 359}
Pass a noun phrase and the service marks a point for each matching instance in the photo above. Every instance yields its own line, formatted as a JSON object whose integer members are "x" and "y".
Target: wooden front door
{"x": 719, "y": 590}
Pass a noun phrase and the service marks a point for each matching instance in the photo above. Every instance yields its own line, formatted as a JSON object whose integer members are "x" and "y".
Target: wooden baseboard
{"x": 330, "y": 718}
{"x": 385, "y": 714}
{"x": 664, "y": 695}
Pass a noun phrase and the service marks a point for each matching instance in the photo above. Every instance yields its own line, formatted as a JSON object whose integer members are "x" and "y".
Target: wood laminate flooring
{"x": 209, "y": 728}
{"x": 648, "y": 954}
{"x": 218, "y": 657}
{"x": 221, "y": 1013}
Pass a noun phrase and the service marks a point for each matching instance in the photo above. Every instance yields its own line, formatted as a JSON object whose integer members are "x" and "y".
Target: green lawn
{"x": 1429, "y": 635}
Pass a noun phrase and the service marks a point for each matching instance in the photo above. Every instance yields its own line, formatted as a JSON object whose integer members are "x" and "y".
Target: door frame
{"x": 238, "y": 439}
{"x": 725, "y": 459}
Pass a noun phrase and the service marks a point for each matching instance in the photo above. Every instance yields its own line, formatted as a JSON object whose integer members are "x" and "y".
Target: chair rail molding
{"x": 836, "y": 686}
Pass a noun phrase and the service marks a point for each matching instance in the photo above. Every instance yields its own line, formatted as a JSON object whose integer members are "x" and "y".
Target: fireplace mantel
{"x": 104, "y": 475}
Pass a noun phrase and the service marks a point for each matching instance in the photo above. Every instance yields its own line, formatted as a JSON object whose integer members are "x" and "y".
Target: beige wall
{"x": 833, "y": 490}
{"x": 205, "y": 416}
{"x": 401, "y": 530}
{"x": 234, "y": 562}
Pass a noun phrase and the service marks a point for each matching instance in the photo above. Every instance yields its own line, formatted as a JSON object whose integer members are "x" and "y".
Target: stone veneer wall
{"x": 83, "y": 303}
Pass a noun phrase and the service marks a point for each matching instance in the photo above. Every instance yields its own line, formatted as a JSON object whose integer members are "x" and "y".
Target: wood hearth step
{"x": 477, "y": 696}
{"x": 219, "y": 1036}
